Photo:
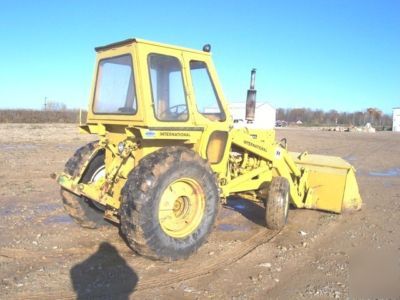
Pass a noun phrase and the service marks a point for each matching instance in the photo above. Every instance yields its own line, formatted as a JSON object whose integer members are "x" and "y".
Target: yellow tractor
{"x": 168, "y": 154}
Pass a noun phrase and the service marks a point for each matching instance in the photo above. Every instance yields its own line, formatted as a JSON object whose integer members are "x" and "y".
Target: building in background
{"x": 265, "y": 116}
{"x": 396, "y": 119}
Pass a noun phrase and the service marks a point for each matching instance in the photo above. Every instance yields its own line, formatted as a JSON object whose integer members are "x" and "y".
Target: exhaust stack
{"x": 251, "y": 99}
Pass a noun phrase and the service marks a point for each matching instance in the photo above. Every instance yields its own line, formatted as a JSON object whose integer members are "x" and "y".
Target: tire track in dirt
{"x": 213, "y": 264}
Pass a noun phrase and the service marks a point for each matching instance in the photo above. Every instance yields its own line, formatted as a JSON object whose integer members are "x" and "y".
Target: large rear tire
{"x": 169, "y": 204}
{"x": 277, "y": 203}
{"x": 83, "y": 210}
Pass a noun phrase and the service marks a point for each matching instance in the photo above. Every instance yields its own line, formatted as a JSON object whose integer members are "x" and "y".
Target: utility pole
{"x": 45, "y": 103}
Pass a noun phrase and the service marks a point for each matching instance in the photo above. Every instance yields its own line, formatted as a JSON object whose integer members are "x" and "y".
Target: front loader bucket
{"x": 332, "y": 182}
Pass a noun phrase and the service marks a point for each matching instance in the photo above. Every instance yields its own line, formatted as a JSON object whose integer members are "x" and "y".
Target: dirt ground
{"x": 45, "y": 255}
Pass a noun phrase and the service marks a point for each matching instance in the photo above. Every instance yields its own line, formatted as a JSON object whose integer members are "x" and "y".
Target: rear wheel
{"x": 169, "y": 204}
{"x": 277, "y": 203}
{"x": 87, "y": 213}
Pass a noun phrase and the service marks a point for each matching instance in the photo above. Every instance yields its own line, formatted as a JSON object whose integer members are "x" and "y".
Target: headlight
{"x": 121, "y": 147}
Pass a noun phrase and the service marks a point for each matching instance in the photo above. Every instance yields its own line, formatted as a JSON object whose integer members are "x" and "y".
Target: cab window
{"x": 206, "y": 97}
{"x": 167, "y": 88}
{"x": 115, "y": 88}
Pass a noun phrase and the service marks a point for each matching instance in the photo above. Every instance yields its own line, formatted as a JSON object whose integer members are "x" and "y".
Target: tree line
{"x": 40, "y": 116}
{"x": 55, "y": 112}
{"x": 52, "y": 112}
{"x": 332, "y": 117}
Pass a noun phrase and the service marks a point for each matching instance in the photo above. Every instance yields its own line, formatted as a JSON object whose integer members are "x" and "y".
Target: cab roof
{"x": 140, "y": 41}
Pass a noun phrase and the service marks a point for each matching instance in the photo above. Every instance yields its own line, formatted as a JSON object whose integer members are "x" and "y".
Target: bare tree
{"x": 55, "y": 106}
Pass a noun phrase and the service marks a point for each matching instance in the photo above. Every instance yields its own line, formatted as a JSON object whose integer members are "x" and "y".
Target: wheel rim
{"x": 98, "y": 175}
{"x": 181, "y": 207}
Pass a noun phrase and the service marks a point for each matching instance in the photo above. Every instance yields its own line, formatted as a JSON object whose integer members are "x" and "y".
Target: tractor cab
{"x": 159, "y": 92}
{"x": 139, "y": 82}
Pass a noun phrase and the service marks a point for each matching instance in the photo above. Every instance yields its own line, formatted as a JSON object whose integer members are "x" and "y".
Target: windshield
{"x": 167, "y": 88}
{"x": 115, "y": 89}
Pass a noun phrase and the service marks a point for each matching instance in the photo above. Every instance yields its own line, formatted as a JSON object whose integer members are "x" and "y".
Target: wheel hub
{"x": 181, "y": 208}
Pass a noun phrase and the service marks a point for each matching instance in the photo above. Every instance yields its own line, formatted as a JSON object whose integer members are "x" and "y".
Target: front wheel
{"x": 169, "y": 204}
{"x": 277, "y": 203}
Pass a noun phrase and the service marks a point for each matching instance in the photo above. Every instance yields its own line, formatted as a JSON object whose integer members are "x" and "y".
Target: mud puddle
{"x": 232, "y": 227}
{"x": 14, "y": 147}
{"x": 392, "y": 172}
{"x": 58, "y": 219}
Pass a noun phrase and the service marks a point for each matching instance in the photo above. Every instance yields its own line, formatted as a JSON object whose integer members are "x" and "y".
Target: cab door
{"x": 210, "y": 110}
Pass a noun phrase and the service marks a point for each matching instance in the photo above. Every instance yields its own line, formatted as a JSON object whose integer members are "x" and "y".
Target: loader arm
{"x": 279, "y": 163}
{"x": 316, "y": 181}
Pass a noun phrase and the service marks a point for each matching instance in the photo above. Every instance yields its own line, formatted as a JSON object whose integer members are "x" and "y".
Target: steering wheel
{"x": 174, "y": 110}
